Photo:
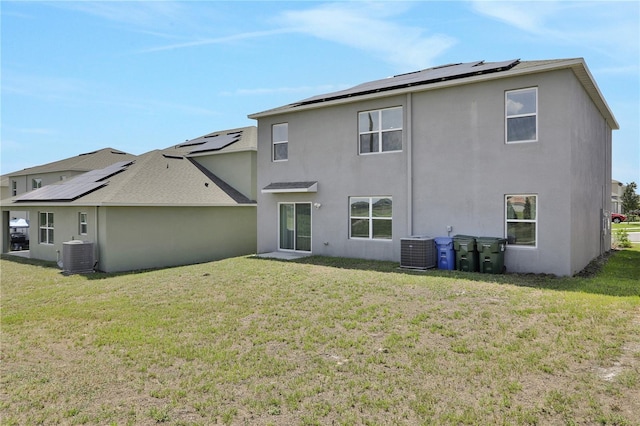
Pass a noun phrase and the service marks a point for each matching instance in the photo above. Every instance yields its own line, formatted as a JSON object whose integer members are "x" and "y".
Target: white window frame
{"x": 275, "y": 142}
{"x": 529, "y": 114}
{"x": 370, "y": 218}
{"x": 47, "y": 227}
{"x": 380, "y": 131}
{"x": 507, "y": 221}
{"x": 14, "y": 188}
{"x": 36, "y": 183}
{"x": 83, "y": 223}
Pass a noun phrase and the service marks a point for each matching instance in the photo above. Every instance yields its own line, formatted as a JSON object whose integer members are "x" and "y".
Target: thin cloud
{"x": 368, "y": 27}
{"x": 591, "y": 25}
{"x": 142, "y": 14}
{"x": 217, "y": 40}
{"x": 77, "y": 93}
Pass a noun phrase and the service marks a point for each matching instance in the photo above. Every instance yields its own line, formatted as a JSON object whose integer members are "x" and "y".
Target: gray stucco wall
{"x": 129, "y": 238}
{"x": 150, "y": 237}
{"x": 238, "y": 169}
{"x": 455, "y": 169}
{"x": 590, "y": 180}
{"x": 66, "y": 228}
{"x": 323, "y": 147}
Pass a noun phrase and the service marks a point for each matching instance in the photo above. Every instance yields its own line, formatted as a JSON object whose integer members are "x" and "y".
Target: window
{"x": 522, "y": 220}
{"x": 521, "y": 108}
{"x": 370, "y": 217}
{"x": 14, "y": 188}
{"x": 36, "y": 183}
{"x": 280, "y": 138}
{"x": 380, "y": 130}
{"x": 46, "y": 228}
{"x": 82, "y": 219}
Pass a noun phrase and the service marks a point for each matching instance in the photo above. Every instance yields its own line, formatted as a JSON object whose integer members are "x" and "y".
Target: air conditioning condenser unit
{"x": 418, "y": 252}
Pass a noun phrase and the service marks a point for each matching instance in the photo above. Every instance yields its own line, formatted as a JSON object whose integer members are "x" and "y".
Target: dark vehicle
{"x": 617, "y": 217}
{"x": 19, "y": 241}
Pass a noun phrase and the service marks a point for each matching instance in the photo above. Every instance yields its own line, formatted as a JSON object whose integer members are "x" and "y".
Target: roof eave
{"x": 577, "y": 65}
{"x": 19, "y": 206}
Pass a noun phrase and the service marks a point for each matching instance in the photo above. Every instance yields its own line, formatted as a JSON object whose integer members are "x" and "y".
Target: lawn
{"x": 319, "y": 341}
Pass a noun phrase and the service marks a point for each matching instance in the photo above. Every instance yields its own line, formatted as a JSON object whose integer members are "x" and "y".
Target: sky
{"x": 136, "y": 76}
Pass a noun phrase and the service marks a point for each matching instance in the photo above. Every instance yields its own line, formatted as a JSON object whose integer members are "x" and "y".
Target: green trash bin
{"x": 466, "y": 253}
{"x": 491, "y": 254}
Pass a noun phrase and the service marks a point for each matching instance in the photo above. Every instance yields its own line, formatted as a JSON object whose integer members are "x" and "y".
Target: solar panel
{"x": 64, "y": 192}
{"x": 431, "y": 75}
{"x": 76, "y": 187}
{"x": 216, "y": 142}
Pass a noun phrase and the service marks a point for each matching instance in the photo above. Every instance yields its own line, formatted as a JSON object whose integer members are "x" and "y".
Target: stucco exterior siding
{"x": 329, "y": 155}
{"x": 590, "y": 181}
{"x": 66, "y": 228}
{"x": 463, "y": 168}
{"x": 455, "y": 169}
{"x": 237, "y": 167}
{"x": 173, "y": 235}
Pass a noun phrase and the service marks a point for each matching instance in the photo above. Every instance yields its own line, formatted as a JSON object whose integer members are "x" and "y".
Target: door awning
{"x": 282, "y": 187}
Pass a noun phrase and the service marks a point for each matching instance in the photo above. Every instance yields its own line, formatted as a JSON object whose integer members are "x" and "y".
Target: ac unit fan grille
{"x": 418, "y": 253}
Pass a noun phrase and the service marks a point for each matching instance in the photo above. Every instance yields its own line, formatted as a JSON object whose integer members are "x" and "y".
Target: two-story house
{"x": 513, "y": 149}
{"x": 33, "y": 178}
{"x": 189, "y": 203}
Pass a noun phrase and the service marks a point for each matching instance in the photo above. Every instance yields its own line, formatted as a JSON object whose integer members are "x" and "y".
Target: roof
{"x": 153, "y": 179}
{"x": 220, "y": 142}
{"x": 77, "y": 187}
{"x": 451, "y": 75}
{"x": 80, "y": 163}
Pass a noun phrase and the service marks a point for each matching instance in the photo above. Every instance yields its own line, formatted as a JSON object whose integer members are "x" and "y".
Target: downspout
{"x": 409, "y": 166}
{"x": 97, "y": 238}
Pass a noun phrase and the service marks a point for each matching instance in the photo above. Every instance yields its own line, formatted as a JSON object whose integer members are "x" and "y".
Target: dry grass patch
{"x": 321, "y": 341}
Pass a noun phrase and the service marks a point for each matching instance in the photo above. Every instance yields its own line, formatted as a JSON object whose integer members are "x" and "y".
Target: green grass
{"x": 319, "y": 341}
{"x": 631, "y": 226}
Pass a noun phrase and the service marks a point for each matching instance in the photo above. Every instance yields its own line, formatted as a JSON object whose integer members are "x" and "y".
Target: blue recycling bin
{"x": 446, "y": 254}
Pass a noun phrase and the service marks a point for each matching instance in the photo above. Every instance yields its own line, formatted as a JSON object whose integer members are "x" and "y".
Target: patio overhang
{"x": 286, "y": 187}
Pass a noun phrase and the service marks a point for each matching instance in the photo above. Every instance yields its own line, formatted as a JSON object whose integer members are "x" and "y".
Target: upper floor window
{"x": 521, "y": 108}
{"x": 380, "y": 130}
{"x": 280, "y": 139}
{"x": 46, "y": 228}
{"x": 370, "y": 217}
{"x": 83, "y": 224}
{"x": 521, "y": 226}
{"x": 14, "y": 188}
{"x": 36, "y": 183}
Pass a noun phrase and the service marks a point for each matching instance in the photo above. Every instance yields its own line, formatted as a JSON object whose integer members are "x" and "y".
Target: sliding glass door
{"x": 295, "y": 226}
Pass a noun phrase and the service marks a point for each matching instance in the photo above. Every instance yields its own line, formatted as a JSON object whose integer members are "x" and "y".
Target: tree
{"x": 630, "y": 200}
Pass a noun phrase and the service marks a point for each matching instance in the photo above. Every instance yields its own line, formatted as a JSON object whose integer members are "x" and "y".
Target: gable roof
{"x": 80, "y": 163}
{"x": 451, "y": 75}
{"x": 153, "y": 179}
{"x": 220, "y": 142}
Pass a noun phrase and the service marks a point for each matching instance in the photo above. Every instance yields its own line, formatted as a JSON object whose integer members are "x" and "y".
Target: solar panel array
{"x": 212, "y": 142}
{"x": 431, "y": 75}
{"x": 77, "y": 187}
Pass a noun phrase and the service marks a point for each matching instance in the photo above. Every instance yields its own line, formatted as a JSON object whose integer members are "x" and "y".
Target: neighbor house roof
{"x": 80, "y": 163}
{"x": 451, "y": 75}
{"x": 153, "y": 179}
{"x": 220, "y": 142}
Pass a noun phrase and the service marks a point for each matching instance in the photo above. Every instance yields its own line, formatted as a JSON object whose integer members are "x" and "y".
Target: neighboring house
{"x": 190, "y": 203}
{"x": 617, "y": 189}
{"x": 5, "y": 192}
{"x": 36, "y": 177}
{"x": 520, "y": 150}
{"x": 23, "y": 181}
